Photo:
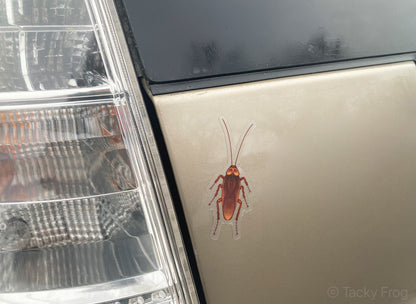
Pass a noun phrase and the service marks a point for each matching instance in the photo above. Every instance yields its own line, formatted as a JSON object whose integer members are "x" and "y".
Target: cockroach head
{"x": 232, "y": 170}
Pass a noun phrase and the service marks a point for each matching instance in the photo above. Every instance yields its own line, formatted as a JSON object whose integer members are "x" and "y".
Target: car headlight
{"x": 85, "y": 213}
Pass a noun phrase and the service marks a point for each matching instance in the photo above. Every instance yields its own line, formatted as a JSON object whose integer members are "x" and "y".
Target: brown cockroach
{"x": 230, "y": 189}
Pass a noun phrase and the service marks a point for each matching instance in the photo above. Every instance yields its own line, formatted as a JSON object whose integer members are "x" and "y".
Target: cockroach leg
{"x": 244, "y": 195}
{"x": 236, "y": 218}
{"x": 218, "y": 215}
{"x": 218, "y": 207}
{"x": 220, "y": 176}
{"x": 220, "y": 186}
{"x": 244, "y": 179}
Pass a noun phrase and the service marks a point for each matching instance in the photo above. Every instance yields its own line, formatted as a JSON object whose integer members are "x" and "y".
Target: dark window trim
{"x": 195, "y": 84}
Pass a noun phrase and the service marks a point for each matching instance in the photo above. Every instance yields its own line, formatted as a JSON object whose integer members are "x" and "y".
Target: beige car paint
{"x": 332, "y": 167}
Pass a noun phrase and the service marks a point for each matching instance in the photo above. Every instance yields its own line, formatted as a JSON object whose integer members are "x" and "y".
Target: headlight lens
{"x": 85, "y": 214}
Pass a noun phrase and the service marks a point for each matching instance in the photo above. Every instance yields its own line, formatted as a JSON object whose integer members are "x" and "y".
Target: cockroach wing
{"x": 230, "y": 195}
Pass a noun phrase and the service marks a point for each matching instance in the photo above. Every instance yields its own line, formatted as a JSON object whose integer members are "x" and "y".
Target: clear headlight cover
{"x": 85, "y": 214}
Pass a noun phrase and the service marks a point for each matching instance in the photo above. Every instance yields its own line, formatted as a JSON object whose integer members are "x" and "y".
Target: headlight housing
{"x": 85, "y": 213}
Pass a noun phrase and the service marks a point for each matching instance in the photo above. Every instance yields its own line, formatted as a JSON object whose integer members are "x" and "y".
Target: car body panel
{"x": 331, "y": 164}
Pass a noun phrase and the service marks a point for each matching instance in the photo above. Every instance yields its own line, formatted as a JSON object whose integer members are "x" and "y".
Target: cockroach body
{"x": 230, "y": 189}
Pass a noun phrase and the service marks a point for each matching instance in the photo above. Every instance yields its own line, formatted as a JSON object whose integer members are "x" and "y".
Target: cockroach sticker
{"x": 228, "y": 206}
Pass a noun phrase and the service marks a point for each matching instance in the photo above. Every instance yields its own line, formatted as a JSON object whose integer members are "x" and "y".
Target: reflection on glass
{"x": 62, "y": 152}
{"x": 47, "y": 45}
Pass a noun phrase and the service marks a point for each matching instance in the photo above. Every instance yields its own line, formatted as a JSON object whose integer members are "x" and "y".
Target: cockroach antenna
{"x": 244, "y": 137}
{"x": 229, "y": 139}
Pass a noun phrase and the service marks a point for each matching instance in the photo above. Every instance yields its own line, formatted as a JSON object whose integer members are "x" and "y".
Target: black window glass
{"x": 185, "y": 39}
